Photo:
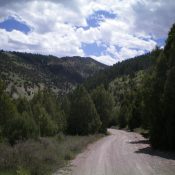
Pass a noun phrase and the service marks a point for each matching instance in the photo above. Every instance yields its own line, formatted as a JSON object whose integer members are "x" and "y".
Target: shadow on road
{"x": 148, "y": 150}
{"x": 140, "y": 142}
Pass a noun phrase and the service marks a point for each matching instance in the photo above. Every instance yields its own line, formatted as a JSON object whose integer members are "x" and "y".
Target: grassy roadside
{"x": 143, "y": 132}
{"x": 42, "y": 156}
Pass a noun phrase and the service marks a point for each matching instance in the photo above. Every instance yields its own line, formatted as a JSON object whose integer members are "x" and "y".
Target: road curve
{"x": 122, "y": 153}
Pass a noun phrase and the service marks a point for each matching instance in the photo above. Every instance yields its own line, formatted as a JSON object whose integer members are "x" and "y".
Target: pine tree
{"x": 162, "y": 98}
{"x": 104, "y": 104}
{"x": 83, "y": 117}
{"x": 7, "y": 108}
{"x": 169, "y": 91}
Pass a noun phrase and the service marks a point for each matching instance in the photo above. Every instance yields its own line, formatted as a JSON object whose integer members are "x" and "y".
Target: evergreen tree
{"x": 21, "y": 128}
{"x": 7, "y": 109}
{"x": 169, "y": 104}
{"x": 122, "y": 119}
{"x": 48, "y": 113}
{"x": 46, "y": 126}
{"x": 83, "y": 118}
{"x": 104, "y": 104}
{"x": 162, "y": 98}
{"x": 169, "y": 91}
{"x": 135, "y": 117}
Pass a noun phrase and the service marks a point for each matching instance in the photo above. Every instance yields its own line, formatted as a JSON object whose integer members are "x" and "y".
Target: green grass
{"x": 143, "y": 132}
{"x": 42, "y": 156}
{"x": 7, "y": 172}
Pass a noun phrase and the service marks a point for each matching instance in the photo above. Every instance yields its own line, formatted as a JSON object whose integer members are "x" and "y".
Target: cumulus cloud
{"x": 154, "y": 17}
{"x": 60, "y": 27}
{"x": 105, "y": 59}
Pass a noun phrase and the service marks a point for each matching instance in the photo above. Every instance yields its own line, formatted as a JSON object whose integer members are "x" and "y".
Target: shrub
{"x": 22, "y": 171}
{"x": 21, "y": 128}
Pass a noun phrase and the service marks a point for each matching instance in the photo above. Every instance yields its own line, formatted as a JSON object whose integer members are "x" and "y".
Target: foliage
{"x": 23, "y": 119}
{"x": 22, "y": 171}
{"x": 163, "y": 98}
{"x": 42, "y": 156}
{"x": 48, "y": 113}
{"x": 150, "y": 104}
{"x": 7, "y": 107}
{"x": 104, "y": 104}
{"x": 83, "y": 118}
{"x": 21, "y": 128}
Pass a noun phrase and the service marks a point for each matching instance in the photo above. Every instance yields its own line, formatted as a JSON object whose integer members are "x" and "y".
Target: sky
{"x": 109, "y": 31}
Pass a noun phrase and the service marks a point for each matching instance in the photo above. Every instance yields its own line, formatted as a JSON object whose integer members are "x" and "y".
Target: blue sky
{"x": 106, "y": 31}
{"x": 94, "y": 19}
{"x": 12, "y": 24}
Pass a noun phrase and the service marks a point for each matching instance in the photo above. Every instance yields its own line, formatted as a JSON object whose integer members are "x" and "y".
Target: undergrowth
{"x": 42, "y": 156}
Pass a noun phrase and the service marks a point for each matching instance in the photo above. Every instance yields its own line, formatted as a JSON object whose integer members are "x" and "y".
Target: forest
{"x": 136, "y": 93}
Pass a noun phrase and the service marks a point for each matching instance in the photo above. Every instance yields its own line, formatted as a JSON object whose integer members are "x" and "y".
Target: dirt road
{"x": 122, "y": 153}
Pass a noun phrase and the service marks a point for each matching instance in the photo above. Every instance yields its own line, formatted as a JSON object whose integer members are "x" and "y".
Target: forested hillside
{"x": 124, "y": 68}
{"x": 144, "y": 93}
{"x": 160, "y": 97}
{"x": 136, "y": 93}
{"x": 25, "y": 73}
{"x": 99, "y": 106}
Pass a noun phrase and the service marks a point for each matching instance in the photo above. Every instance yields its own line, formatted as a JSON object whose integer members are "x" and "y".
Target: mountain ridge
{"x": 26, "y": 73}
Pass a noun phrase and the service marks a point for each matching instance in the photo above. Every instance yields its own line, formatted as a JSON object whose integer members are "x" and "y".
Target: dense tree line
{"x": 45, "y": 115}
{"x": 22, "y": 119}
{"x": 151, "y": 105}
{"x": 162, "y": 97}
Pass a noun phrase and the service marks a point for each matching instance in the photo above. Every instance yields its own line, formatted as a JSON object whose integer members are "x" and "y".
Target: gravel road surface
{"x": 121, "y": 153}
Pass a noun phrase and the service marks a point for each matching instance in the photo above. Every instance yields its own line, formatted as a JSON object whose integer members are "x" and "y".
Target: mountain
{"x": 122, "y": 69}
{"x": 26, "y": 73}
{"x": 123, "y": 80}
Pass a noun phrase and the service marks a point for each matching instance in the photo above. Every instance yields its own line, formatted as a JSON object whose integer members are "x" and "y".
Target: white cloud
{"x": 51, "y": 43}
{"x": 154, "y": 17}
{"x": 58, "y": 26}
{"x": 88, "y": 36}
{"x": 105, "y": 59}
{"x": 129, "y": 53}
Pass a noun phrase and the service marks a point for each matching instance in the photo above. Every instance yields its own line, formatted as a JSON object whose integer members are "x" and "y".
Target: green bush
{"x": 21, "y": 128}
{"x": 22, "y": 171}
